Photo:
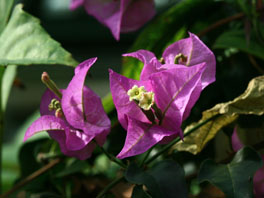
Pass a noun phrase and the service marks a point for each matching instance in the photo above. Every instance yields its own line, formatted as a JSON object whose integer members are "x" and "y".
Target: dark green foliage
{"x": 236, "y": 178}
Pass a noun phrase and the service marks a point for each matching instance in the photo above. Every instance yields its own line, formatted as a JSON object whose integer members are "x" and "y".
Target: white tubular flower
{"x": 146, "y": 100}
{"x": 135, "y": 93}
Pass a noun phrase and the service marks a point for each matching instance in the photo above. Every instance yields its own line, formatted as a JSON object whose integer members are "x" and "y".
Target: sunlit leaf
{"x": 251, "y": 102}
{"x": 7, "y": 83}
{"x": 25, "y": 42}
{"x": 5, "y": 8}
{"x": 232, "y": 178}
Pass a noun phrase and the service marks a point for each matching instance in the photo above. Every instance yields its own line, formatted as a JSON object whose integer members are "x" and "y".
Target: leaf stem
{"x": 111, "y": 157}
{"x": 2, "y": 69}
{"x": 109, "y": 186}
{"x": 169, "y": 145}
{"x": 146, "y": 156}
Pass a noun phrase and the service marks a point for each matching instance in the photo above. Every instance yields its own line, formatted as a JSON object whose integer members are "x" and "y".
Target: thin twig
{"x": 111, "y": 157}
{"x": 146, "y": 156}
{"x": 109, "y": 186}
{"x": 31, "y": 177}
{"x": 220, "y": 23}
{"x": 224, "y": 21}
{"x": 255, "y": 64}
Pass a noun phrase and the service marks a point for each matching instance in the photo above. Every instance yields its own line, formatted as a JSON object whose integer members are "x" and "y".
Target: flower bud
{"x": 50, "y": 84}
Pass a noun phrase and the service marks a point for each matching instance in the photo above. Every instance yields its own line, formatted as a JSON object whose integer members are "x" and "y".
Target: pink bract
{"x": 84, "y": 120}
{"x": 176, "y": 88}
{"x": 118, "y": 15}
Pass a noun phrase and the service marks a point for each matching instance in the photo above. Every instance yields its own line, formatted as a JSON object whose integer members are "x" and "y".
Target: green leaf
{"x": 171, "y": 179}
{"x": 237, "y": 39}
{"x": 5, "y": 8}
{"x": 7, "y": 83}
{"x": 251, "y": 102}
{"x": 108, "y": 103}
{"x": 137, "y": 176}
{"x": 165, "y": 180}
{"x": 11, "y": 150}
{"x": 25, "y": 42}
{"x": 138, "y": 192}
{"x": 236, "y": 178}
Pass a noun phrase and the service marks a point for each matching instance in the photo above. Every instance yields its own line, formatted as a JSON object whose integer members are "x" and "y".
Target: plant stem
{"x": 146, "y": 156}
{"x": 168, "y": 146}
{"x": 2, "y": 69}
{"x": 31, "y": 177}
{"x": 109, "y": 186}
{"x": 111, "y": 157}
{"x": 223, "y": 22}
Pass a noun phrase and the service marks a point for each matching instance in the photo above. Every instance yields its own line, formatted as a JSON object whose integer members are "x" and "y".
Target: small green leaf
{"x": 236, "y": 178}
{"x": 25, "y": 42}
{"x": 5, "y": 8}
{"x": 7, "y": 83}
{"x": 237, "y": 39}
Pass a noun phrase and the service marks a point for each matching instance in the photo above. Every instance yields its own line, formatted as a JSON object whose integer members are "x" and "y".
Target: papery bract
{"x": 118, "y": 15}
{"x": 192, "y": 48}
{"x": 84, "y": 119}
{"x": 258, "y": 181}
{"x": 188, "y": 66}
{"x": 172, "y": 89}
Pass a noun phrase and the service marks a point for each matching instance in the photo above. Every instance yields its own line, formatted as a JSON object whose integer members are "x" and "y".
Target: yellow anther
{"x": 146, "y": 100}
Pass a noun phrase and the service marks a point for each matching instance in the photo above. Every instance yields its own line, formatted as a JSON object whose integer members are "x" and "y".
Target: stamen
{"x": 54, "y": 104}
{"x": 146, "y": 100}
{"x": 161, "y": 60}
{"x": 59, "y": 113}
{"x": 180, "y": 58}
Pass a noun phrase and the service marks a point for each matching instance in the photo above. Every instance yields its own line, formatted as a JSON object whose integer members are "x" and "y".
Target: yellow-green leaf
{"x": 250, "y": 102}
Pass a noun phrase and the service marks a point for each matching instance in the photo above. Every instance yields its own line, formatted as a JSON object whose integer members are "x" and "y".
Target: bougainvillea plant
{"x": 163, "y": 126}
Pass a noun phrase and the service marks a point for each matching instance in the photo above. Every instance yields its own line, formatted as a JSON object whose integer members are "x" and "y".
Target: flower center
{"x": 180, "y": 58}
{"x": 145, "y": 100}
